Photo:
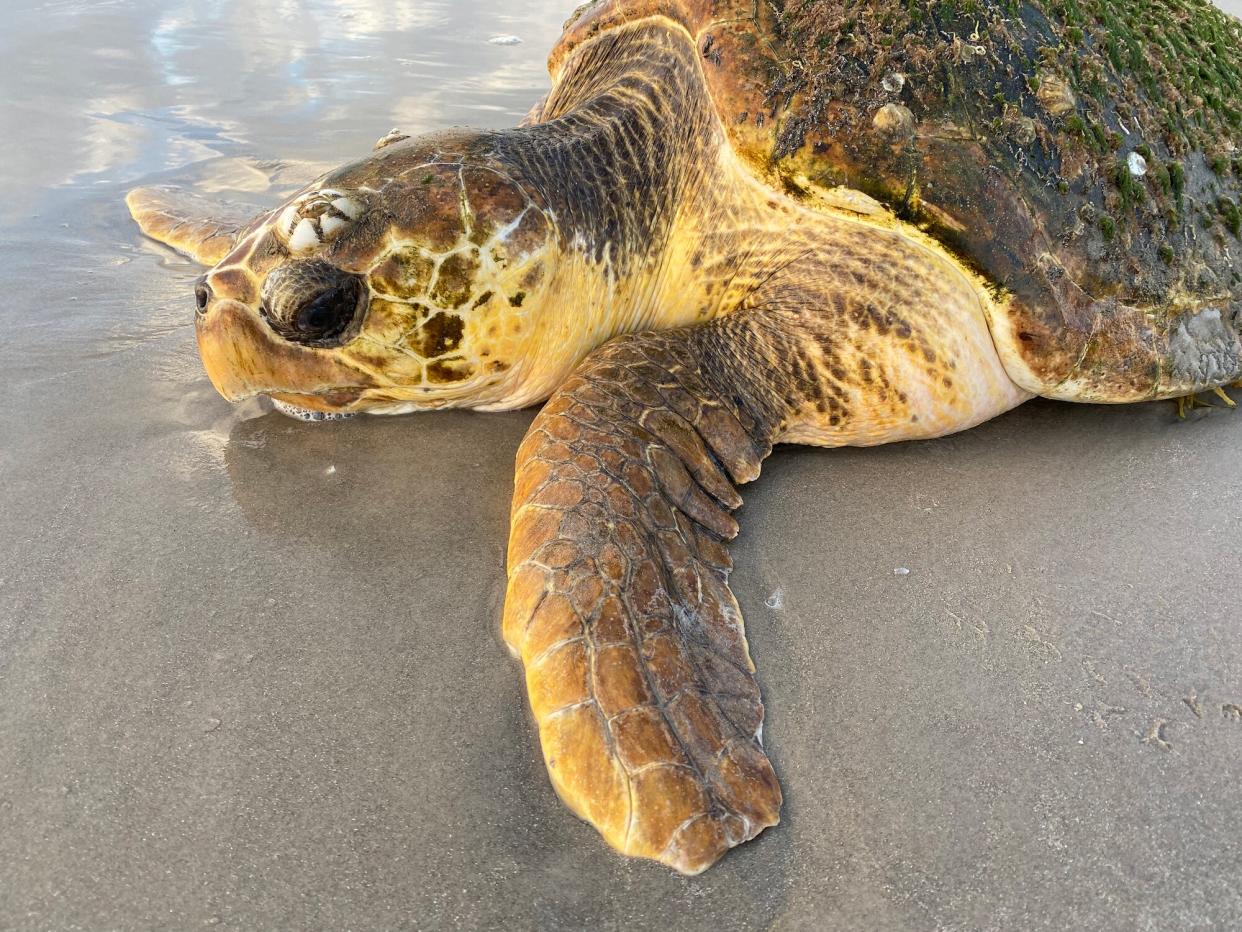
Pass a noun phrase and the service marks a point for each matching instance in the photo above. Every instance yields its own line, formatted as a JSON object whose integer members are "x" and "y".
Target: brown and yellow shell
{"x": 1079, "y": 154}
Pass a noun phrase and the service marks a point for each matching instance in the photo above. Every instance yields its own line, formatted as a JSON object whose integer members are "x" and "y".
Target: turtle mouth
{"x": 307, "y": 414}
{"x": 330, "y": 407}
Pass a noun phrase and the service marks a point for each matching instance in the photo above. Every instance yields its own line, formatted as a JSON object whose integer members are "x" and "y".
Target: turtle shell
{"x": 1079, "y": 154}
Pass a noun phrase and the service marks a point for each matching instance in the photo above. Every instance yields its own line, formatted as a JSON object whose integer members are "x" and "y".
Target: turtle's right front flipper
{"x": 203, "y": 229}
{"x": 636, "y": 659}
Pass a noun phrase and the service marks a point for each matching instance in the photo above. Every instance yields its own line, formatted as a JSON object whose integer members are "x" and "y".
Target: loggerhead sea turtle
{"x": 732, "y": 224}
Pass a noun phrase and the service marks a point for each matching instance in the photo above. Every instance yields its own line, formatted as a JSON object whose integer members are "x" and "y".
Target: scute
{"x": 1010, "y": 131}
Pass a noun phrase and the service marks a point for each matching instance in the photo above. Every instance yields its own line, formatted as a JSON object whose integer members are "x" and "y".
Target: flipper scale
{"x": 636, "y": 659}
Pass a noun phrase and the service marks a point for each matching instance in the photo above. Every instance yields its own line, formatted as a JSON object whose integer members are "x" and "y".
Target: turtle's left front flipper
{"x": 636, "y": 659}
{"x": 203, "y": 229}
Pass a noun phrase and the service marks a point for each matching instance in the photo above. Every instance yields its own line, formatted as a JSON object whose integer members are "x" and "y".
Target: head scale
{"x": 411, "y": 279}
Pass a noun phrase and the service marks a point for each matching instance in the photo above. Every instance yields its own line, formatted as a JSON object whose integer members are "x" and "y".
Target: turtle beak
{"x": 243, "y": 357}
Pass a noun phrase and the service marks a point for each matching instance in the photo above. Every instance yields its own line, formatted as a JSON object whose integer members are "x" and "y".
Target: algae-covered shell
{"x": 1014, "y": 123}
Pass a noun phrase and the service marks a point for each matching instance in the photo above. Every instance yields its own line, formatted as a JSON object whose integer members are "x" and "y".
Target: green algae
{"x": 1099, "y": 82}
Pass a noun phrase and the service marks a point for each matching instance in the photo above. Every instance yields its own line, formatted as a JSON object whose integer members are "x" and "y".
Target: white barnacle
{"x": 316, "y": 217}
{"x": 330, "y": 225}
{"x": 392, "y": 136}
{"x": 348, "y": 206}
{"x": 1137, "y": 165}
{"x": 288, "y": 219}
{"x": 894, "y": 118}
{"x": 304, "y": 237}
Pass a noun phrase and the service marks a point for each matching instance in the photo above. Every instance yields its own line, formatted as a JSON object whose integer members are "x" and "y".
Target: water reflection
{"x": 114, "y": 93}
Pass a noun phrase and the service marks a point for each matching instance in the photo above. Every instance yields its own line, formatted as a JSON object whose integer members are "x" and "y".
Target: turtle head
{"x": 411, "y": 279}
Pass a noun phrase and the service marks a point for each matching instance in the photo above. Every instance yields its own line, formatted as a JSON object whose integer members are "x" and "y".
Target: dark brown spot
{"x": 517, "y": 299}
{"x": 449, "y": 370}
{"x": 440, "y": 335}
{"x": 453, "y": 286}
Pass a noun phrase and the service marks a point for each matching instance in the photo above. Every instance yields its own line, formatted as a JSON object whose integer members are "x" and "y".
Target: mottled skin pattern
{"x": 621, "y": 255}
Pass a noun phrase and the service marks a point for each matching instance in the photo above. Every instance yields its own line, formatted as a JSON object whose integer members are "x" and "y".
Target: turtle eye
{"x": 313, "y": 303}
{"x": 323, "y": 316}
{"x": 202, "y": 294}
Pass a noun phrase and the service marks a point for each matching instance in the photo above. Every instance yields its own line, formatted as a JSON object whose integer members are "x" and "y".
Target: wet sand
{"x": 251, "y": 674}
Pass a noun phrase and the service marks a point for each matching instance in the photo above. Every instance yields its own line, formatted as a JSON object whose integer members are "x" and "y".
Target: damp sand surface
{"x": 250, "y": 669}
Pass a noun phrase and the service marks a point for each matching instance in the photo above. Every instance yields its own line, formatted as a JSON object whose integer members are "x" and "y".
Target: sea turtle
{"x": 733, "y": 224}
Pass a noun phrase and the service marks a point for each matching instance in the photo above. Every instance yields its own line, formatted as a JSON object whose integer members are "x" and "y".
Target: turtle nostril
{"x": 202, "y": 294}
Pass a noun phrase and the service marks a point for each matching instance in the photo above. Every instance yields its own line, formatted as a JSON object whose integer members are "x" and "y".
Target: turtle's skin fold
{"x": 729, "y": 226}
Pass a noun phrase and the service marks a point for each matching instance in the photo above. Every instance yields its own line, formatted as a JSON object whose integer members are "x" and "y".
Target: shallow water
{"x": 250, "y": 669}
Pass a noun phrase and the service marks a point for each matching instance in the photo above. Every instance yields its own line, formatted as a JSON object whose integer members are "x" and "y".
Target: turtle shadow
{"x": 436, "y": 481}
